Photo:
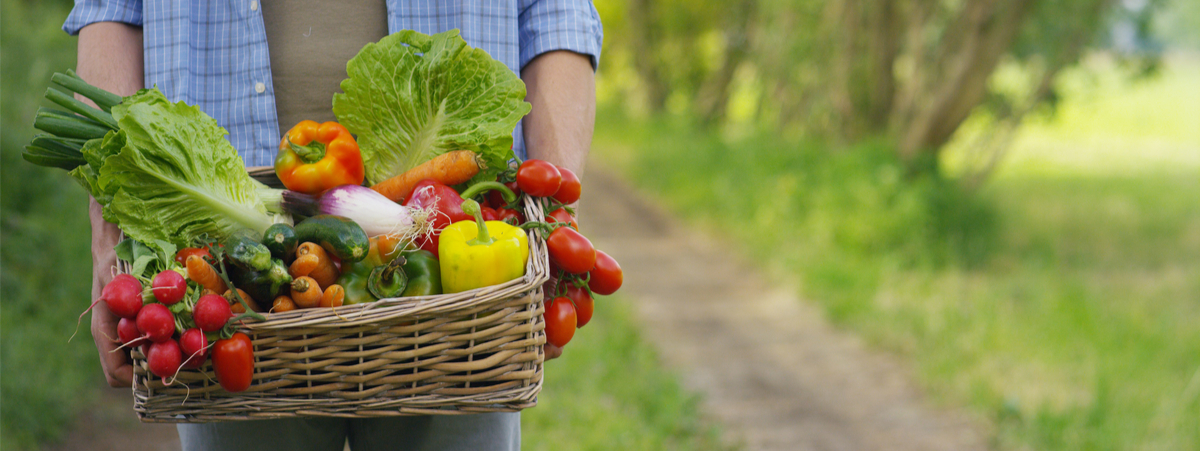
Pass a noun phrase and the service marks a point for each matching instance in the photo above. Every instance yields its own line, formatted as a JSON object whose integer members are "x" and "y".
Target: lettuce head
{"x": 411, "y": 97}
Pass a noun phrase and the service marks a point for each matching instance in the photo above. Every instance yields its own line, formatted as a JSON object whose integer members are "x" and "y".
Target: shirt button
{"x": 260, "y": 88}
{"x": 254, "y": 7}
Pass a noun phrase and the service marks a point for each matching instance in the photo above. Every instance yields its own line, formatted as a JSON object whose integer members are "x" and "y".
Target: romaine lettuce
{"x": 172, "y": 175}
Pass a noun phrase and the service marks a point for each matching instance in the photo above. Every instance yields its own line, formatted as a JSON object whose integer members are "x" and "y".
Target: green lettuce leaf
{"x": 411, "y": 97}
{"x": 172, "y": 176}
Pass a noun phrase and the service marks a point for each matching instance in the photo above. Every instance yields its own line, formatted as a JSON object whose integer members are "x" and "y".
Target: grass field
{"x": 1059, "y": 303}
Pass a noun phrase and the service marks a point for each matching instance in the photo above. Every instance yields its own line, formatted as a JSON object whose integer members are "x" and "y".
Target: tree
{"x": 909, "y": 71}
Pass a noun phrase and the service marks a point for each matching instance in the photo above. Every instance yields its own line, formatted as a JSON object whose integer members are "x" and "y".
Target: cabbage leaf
{"x": 411, "y": 97}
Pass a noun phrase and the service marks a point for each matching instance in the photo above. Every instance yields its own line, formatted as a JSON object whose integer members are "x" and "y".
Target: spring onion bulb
{"x": 376, "y": 214}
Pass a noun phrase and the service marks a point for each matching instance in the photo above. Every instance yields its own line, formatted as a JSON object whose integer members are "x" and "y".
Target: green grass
{"x": 608, "y": 391}
{"x": 1061, "y": 302}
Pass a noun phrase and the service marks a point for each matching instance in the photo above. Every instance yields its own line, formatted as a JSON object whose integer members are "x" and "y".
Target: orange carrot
{"x": 312, "y": 261}
{"x": 450, "y": 168}
{"x": 333, "y": 296}
{"x": 237, "y": 306}
{"x": 204, "y": 274}
{"x": 305, "y": 292}
{"x": 282, "y": 303}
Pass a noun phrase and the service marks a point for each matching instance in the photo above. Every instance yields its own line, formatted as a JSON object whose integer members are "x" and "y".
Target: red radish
{"x": 195, "y": 348}
{"x": 211, "y": 312}
{"x": 164, "y": 358}
{"x": 123, "y": 296}
{"x": 156, "y": 322}
{"x": 128, "y": 332}
{"x": 168, "y": 287}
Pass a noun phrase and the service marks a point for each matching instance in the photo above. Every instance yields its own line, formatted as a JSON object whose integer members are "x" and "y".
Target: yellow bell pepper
{"x": 477, "y": 254}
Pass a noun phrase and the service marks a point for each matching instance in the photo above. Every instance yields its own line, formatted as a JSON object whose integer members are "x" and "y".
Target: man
{"x": 260, "y": 67}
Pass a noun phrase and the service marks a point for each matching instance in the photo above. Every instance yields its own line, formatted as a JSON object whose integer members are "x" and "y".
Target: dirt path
{"x": 773, "y": 371}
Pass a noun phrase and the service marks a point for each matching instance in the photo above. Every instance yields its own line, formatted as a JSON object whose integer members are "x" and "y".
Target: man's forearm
{"x": 562, "y": 88}
{"x": 110, "y": 57}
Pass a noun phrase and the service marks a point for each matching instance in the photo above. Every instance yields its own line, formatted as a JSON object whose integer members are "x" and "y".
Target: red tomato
{"x": 571, "y": 251}
{"x": 584, "y": 305}
{"x": 560, "y": 322}
{"x": 503, "y": 214}
{"x": 606, "y": 277}
{"x": 184, "y": 253}
{"x": 233, "y": 360}
{"x": 488, "y": 213}
{"x": 569, "y": 188}
{"x": 496, "y": 200}
{"x": 538, "y": 178}
{"x": 562, "y": 216}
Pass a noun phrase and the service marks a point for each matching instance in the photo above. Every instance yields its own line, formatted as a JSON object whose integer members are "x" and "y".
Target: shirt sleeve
{"x": 548, "y": 25}
{"x": 87, "y": 12}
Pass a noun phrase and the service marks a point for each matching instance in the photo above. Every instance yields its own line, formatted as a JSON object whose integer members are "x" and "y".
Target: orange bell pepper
{"x": 315, "y": 157}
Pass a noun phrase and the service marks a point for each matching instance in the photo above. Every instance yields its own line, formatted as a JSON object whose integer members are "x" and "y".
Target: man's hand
{"x": 110, "y": 57}
{"x": 105, "y": 236}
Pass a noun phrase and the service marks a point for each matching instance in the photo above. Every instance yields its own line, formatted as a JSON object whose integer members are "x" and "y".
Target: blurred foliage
{"x": 905, "y": 72}
{"x": 46, "y": 280}
{"x": 1058, "y": 301}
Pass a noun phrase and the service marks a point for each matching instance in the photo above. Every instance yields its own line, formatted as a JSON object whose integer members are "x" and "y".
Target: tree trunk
{"x": 642, "y": 36}
{"x": 713, "y": 98}
{"x": 970, "y": 50}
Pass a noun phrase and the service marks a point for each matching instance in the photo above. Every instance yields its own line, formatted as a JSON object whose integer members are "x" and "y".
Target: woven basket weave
{"x": 469, "y": 352}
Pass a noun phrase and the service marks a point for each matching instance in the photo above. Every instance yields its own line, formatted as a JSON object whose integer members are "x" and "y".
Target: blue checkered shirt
{"x": 214, "y": 53}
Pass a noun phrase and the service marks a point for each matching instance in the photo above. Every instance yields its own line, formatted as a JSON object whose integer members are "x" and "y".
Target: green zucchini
{"x": 281, "y": 240}
{"x": 339, "y": 236}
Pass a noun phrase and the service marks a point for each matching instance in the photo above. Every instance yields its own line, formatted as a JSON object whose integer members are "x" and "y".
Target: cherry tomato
{"x": 569, "y": 188}
{"x": 184, "y": 253}
{"x": 571, "y": 251}
{"x": 584, "y": 305}
{"x": 233, "y": 360}
{"x": 560, "y": 322}
{"x": 502, "y": 214}
{"x": 538, "y": 178}
{"x": 488, "y": 213}
{"x": 496, "y": 200}
{"x": 562, "y": 216}
{"x": 606, "y": 277}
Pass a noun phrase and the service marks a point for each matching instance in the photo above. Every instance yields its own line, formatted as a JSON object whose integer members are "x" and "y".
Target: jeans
{"x": 485, "y": 431}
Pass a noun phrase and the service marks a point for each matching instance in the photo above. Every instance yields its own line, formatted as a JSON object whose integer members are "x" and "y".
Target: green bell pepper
{"x": 370, "y": 279}
{"x": 424, "y": 274}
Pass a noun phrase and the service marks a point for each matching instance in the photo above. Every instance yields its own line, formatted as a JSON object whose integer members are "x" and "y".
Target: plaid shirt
{"x": 214, "y": 54}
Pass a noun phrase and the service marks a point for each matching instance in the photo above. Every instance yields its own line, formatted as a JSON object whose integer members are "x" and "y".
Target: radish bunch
{"x": 173, "y": 321}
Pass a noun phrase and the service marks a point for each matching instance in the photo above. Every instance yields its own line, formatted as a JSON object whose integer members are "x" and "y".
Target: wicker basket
{"x": 470, "y": 352}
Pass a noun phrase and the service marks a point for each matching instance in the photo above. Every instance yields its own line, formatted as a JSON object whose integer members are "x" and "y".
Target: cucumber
{"x": 264, "y": 285}
{"x": 281, "y": 240}
{"x": 245, "y": 251}
{"x": 339, "y": 236}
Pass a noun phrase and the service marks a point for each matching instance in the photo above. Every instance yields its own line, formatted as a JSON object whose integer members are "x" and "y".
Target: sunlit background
{"x": 1011, "y": 204}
